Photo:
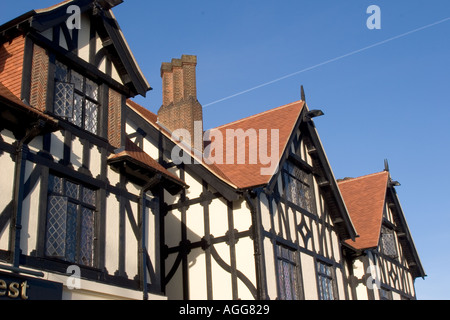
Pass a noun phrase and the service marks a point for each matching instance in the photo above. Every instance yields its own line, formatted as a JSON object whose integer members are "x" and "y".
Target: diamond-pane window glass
{"x": 388, "y": 245}
{"x": 77, "y": 118}
{"x": 56, "y": 226}
{"x": 64, "y": 99}
{"x": 77, "y": 80}
{"x": 76, "y": 98}
{"x": 61, "y": 72}
{"x": 91, "y": 89}
{"x": 299, "y": 189}
{"x": 55, "y": 184}
{"x": 72, "y": 190}
{"x": 89, "y": 196}
{"x": 87, "y": 237}
{"x": 91, "y": 117}
{"x": 326, "y": 282}
{"x": 71, "y": 234}
{"x": 70, "y": 221}
{"x": 287, "y": 273}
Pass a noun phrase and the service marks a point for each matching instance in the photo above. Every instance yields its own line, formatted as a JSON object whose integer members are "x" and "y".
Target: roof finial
{"x": 386, "y": 165}
{"x": 303, "y": 94}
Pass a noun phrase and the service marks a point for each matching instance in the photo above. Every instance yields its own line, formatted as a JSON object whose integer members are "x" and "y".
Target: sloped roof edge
{"x": 42, "y": 19}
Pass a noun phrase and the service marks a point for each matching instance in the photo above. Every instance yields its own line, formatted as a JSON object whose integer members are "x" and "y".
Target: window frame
{"x": 295, "y": 276}
{"x": 82, "y": 206}
{"x": 82, "y": 93}
{"x": 385, "y": 230}
{"x": 308, "y": 185}
{"x": 330, "y": 279}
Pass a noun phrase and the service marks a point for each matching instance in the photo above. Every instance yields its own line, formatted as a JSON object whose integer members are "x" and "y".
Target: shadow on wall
{"x": 4, "y": 56}
{"x": 189, "y": 256}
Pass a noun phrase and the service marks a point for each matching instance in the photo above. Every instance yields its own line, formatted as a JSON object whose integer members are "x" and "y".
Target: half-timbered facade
{"x": 103, "y": 199}
{"x": 383, "y": 262}
{"x": 76, "y": 202}
{"x": 239, "y": 232}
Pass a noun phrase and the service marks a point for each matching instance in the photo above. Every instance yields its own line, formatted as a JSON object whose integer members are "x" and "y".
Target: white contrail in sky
{"x": 329, "y": 61}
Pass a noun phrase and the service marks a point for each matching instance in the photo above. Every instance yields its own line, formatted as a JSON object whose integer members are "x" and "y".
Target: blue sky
{"x": 387, "y": 102}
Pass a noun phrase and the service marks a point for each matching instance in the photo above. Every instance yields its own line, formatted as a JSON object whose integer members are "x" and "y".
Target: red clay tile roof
{"x": 365, "y": 198}
{"x": 134, "y": 152}
{"x": 7, "y": 96}
{"x": 282, "y": 119}
{"x": 241, "y": 176}
{"x": 11, "y": 64}
{"x": 153, "y": 120}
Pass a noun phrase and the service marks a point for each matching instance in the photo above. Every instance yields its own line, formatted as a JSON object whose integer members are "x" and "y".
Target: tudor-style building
{"x": 75, "y": 192}
{"x": 244, "y": 230}
{"x": 237, "y": 233}
{"x": 94, "y": 181}
{"x": 383, "y": 261}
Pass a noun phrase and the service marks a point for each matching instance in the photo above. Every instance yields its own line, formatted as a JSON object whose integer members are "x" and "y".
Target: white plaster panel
{"x": 245, "y": 264}
{"x": 309, "y": 277}
{"x": 195, "y": 223}
{"x": 113, "y": 177}
{"x": 174, "y": 289}
{"x": 173, "y": 228}
{"x": 111, "y": 234}
{"x": 218, "y": 215}
{"x": 8, "y": 136}
{"x": 95, "y": 162}
{"x": 36, "y": 144}
{"x": 131, "y": 244}
{"x": 76, "y": 155}
{"x": 57, "y": 145}
{"x": 151, "y": 148}
{"x": 7, "y": 167}
{"x": 30, "y": 214}
{"x": 221, "y": 279}
{"x": 271, "y": 277}
{"x": 197, "y": 275}
{"x": 265, "y": 212}
{"x": 242, "y": 217}
{"x": 84, "y": 35}
{"x": 195, "y": 186}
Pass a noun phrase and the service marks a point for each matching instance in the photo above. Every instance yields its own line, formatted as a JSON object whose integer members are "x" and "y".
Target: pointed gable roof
{"x": 365, "y": 199}
{"x": 248, "y": 175}
{"x": 243, "y": 176}
{"x": 40, "y": 20}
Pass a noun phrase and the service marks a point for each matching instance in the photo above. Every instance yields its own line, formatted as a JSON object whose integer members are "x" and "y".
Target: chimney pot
{"x": 180, "y": 109}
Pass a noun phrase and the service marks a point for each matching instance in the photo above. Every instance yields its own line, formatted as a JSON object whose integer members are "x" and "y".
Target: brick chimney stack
{"x": 181, "y": 109}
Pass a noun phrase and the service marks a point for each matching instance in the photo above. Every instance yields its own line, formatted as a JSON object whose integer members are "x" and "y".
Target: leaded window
{"x": 325, "y": 279}
{"x": 76, "y": 98}
{"x": 70, "y": 221}
{"x": 287, "y": 274}
{"x": 299, "y": 187}
{"x": 388, "y": 245}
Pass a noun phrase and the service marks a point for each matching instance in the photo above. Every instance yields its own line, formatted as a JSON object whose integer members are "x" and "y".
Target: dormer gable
{"x": 375, "y": 209}
{"x": 86, "y": 33}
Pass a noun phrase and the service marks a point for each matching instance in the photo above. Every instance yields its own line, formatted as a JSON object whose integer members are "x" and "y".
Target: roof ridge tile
{"x": 361, "y": 177}
{"x": 258, "y": 114}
